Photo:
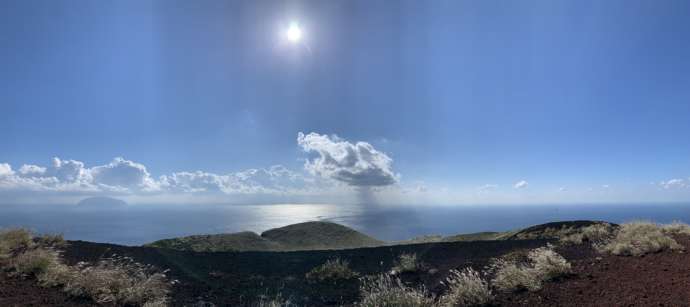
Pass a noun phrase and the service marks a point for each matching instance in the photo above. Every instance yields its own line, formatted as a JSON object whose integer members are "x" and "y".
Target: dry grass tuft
{"x": 277, "y": 301}
{"x": 548, "y": 264}
{"x": 34, "y": 261}
{"x": 118, "y": 281}
{"x": 510, "y": 276}
{"x": 57, "y": 274}
{"x": 384, "y": 291}
{"x": 407, "y": 263}
{"x": 51, "y": 240}
{"x": 13, "y": 241}
{"x": 543, "y": 264}
{"x": 594, "y": 233}
{"x": 332, "y": 270}
{"x": 639, "y": 238}
{"x": 676, "y": 228}
{"x": 466, "y": 288}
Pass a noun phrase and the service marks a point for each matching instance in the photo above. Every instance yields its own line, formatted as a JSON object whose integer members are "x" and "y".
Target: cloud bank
{"x": 127, "y": 177}
{"x": 355, "y": 164}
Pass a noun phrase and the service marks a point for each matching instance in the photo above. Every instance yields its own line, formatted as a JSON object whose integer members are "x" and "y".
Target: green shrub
{"x": 384, "y": 291}
{"x": 407, "y": 263}
{"x": 332, "y": 270}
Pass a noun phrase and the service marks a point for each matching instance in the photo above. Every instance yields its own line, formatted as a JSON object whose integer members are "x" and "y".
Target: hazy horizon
{"x": 139, "y": 224}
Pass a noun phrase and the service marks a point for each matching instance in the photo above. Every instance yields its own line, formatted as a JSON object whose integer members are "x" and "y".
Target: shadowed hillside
{"x": 302, "y": 236}
{"x": 327, "y": 235}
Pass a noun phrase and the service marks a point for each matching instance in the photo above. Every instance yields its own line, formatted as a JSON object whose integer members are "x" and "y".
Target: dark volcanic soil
{"x": 239, "y": 278}
{"x": 25, "y": 292}
{"x": 661, "y": 279}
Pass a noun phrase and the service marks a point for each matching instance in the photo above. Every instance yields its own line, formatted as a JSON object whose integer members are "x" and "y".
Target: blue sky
{"x": 584, "y": 101}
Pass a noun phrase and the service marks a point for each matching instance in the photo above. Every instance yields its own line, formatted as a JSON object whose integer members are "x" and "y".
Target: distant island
{"x": 102, "y": 203}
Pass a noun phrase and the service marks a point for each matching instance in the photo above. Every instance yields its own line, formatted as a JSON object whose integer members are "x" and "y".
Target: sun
{"x": 294, "y": 32}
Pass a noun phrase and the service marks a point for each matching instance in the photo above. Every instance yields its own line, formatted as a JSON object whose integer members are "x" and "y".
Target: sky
{"x": 443, "y": 102}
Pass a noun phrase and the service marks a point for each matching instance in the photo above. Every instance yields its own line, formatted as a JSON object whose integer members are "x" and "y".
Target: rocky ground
{"x": 239, "y": 278}
{"x": 25, "y": 292}
{"x": 661, "y": 279}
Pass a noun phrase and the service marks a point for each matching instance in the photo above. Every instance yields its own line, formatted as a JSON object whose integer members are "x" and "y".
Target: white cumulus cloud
{"x": 356, "y": 164}
{"x": 6, "y": 170}
{"x": 123, "y": 174}
{"x": 129, "y": 177}
{"x": 276, "y": 179}
{"x": 487, "y": 187}
{"x": 673, "y": 183}
{"x": 521, "y": 184}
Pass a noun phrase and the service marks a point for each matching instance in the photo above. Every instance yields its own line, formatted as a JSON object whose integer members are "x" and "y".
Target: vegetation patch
{"x": 332, "y": 270}
{"x": 118, "y": 281}
{"x": 640, "y": 237}
{"x": 302, "y": 236}
{"x": 594, "y": 234}
{"x": 386, "y": 291}
{"x": 542, "y": 264}
{"x": 407, "y": 263}
{"x": 13, "y": 241}
{"x": 277, "y": 301}
{"x": 676, "y": 228}
{"x": 466, "y": 288}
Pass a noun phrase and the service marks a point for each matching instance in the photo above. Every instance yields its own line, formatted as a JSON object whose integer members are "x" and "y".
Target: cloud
{"x": 487, "y": 187}
{"x": 123, "y": 173}
{"x": 357, "y": 164}
{"x": 28, "y": 170}
{"x": 6, "y": 170}
{"x": 121, "y": 176}
{"x": 68, "y": 171}
{"x": 562, "y": 189}
{"x": 521, "y": 184}
{"x": 276, "y": 179}
{"x": 673, "y": 183}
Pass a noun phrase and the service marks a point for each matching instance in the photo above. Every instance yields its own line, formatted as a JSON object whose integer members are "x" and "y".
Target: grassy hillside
{"x": 319, "y": 235}
{"x": 554, "y": 230}
{"x": 479, "y": 236}
{"x": 241, "y": 241}
{"x": 302, "y": 236}
{"x": 327, "y": 235}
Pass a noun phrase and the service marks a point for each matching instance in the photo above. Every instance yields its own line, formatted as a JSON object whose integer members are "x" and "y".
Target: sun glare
{"x": 294, "y": 33}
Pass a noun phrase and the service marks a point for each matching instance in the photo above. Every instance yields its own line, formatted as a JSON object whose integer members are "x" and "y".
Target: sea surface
{"x": 139, "y": 224}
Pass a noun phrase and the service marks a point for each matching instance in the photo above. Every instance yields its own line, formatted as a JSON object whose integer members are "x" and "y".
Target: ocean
{"x": 139, "y": 224}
